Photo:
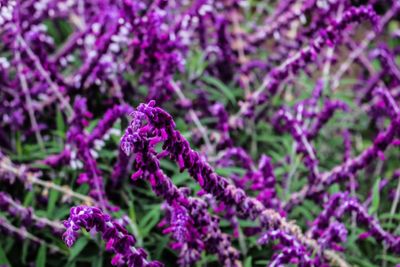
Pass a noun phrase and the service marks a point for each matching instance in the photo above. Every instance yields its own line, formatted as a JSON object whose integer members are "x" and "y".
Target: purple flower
{"x": 336, "y": 207}
{"x": 305, "y": 56}
{"x": 26, "y": 214}
{"x": 323, "y": 117}
{"x": 117, "y": 238}
{"x": 107, "y": 121}
{"x": 292, "y": 252}
{"x": 294, "y": 126}
{"x": 160, "y": 127}
{"x": 193, "y": 226}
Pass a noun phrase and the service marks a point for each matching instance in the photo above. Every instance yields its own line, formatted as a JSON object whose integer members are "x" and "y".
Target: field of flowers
{"x": 231, "y": 133}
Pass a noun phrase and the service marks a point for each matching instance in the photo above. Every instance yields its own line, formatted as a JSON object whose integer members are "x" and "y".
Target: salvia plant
{"x": 200, "y": 133}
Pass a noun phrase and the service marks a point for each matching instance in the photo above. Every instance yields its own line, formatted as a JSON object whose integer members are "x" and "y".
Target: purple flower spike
{"x": 159, "y": 124}
{"x": 117, "y": 238}
{"x": 293, "y": 64}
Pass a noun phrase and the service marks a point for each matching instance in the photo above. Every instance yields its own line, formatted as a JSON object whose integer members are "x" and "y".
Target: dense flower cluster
{"x": 117, "y": 238}
{"x": 329, "y": 37}
{"x": 160, "y": 127}
{"x": 217, "y": 133}
{"x": 336, "y": 207}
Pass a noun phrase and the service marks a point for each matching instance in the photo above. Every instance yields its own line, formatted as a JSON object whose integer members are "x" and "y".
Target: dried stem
{"x": 41, "y": 220}
{"x": 25, "y": 234}
{"x": 28, "y": 100}
{"x": 369, "y": 37}
{"x": 33, "y": 178}
{"x": 46, "y": 76}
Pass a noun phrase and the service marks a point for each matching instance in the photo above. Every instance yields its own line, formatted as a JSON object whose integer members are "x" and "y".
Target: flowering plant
{"x": 199, "y": 133}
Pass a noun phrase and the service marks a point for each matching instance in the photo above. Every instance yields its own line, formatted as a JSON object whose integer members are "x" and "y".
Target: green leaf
{"x": 389, "y": 216}
{"x": 195, "y": 64}
{"x": 92, "y": 125}
{"x": 229, "y": 170}
{"x": 165, "y": 164}
{"x": 29, "y": 198}
{"x": 3, "y": 257}
{"x": 61, "y": 213}
{"x": 302, "y": 212}
{"x": 360, "y": 261}
{"x": 25, "y": 248}
{"x": 222, "y": 87}
{"x": 60, "y": 123}
{"x": 181, "y": 178}
{"x": 247, "y": 262}
{"x": 389, "y": 258}
{"x": 150, "y": 220}
{"x": 70, "y": 264}
{"x": 334, "y": 189}
{"x": 77, "y": 248}
{"x": 41, "y": 256}
{"x": 262, "y": 262}
{"x": 376, "y": 64}
{"x": 162, "y": 244}
{"x": 375, "y": 198}
{"x": 98, "y": 261}
{"x": 53, "y": 197}
{"x": 59, "y": 30}
{"x": 18, "y": 143}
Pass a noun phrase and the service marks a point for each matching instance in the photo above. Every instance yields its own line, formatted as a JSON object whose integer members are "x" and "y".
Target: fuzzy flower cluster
{"x": 160, "y": 127}
{"x": 118, "y": 239}
{"x": 338, "y": 205}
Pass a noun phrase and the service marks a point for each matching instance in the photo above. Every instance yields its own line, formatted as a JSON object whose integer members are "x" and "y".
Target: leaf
{"x": 165, "y": 164}
{"x": 243, "y": 223}
{"x": 262, "y": 262}
{"x": 375, "y": 198}
{"x": 41, "y": 256}
{"x": 92, "y": 125}
{"x": 29, "y": 198}
{"x": 360, "y": 261}
{"x": 247, "y": 262}
{"x": 392, "y": 259}
{"x": 334, "y": 189}
{"x": 60, "y": 123}
{"x": 222, "y": 87}
{"x": 196, "y": 64}
{"x": 3, "y": 257}
{"x": 77, "y": 248}
{"x": 181, "y": 178}
{"x": 390, "y": 225}
{"x": 53, "y": 197}
{"x": 150, "y": 220}
{"x": 388, "y": 215}
{"x": 59, "y": 30}
{"x": 70, "y": 264}
{"x": 229, "y": 170}
{"x": 302, "y": 212}
{"x": 18, "y": 143}
{"x": 98, "y": 260}
{"x": 25, "y": 248}
{"x": 61, "y": 213}
{"x": 162, "y": 244}
{"x": 376, "y": 64}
